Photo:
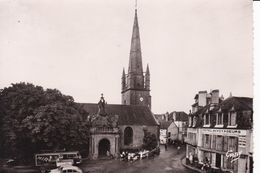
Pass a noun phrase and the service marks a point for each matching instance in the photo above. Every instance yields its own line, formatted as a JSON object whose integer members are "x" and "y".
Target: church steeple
{"x": 136, "y": 85}
{"x": 135, "y": 58}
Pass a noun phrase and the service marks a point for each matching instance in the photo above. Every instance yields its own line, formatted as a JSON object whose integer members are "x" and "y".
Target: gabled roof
{"x": 238, "y": 103}
{"x": 128, "y": 114}
{"x": 165, "y": 124}
{"x": 180, "y": 116}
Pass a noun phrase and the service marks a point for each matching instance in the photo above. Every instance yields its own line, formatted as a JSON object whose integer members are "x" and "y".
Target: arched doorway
{"x": 103, "y": 147}
{"x": 128, "y": 136}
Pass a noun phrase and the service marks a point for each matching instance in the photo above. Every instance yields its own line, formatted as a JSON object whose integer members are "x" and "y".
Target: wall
{"x": 138, "y": 135}
{"x": 174, "y": 131}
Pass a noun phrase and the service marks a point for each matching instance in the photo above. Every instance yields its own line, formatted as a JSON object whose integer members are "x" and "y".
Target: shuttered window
{"x": 232, "y": 118}
{"x": 207, "y": 141}
{"x": 219, "y": 143}
{"x": 232, "y": 144}
{"x": 213, "y": 145}
{"x": 219, "y": 118}
{"x": 225, "y": 143}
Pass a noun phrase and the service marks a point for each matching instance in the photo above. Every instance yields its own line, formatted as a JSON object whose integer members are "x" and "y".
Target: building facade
{"x": 220, "y": 132}
{"x": 168, "y": 131}
{"x": 116, "y": 127}
{"x": 181, "y": 120}
{"x": 119, "y": 127}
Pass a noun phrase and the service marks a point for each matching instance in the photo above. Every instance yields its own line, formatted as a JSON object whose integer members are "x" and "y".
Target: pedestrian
{"x": 191, "y": 158}
{"x": 108, "y": 153}
{"x": 165, "y": 146}
{"x": 178, "y": 149}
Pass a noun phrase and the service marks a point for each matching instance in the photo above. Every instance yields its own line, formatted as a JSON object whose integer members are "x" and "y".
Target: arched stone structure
{"x": 103, "y": 139}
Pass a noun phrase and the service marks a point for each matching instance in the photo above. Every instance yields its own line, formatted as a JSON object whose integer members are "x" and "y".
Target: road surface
{"x": 167, "y": 161}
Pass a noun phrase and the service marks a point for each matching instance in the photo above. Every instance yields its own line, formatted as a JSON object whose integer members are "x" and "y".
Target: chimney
{"x": 202, "y": 98}
{"x": 215, "y": 96}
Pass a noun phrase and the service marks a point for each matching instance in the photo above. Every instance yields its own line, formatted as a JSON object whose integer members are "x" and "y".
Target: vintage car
{"x": 67, "y": 169}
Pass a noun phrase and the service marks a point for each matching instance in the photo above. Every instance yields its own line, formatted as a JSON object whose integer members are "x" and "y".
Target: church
{"x": 117, "y": 127}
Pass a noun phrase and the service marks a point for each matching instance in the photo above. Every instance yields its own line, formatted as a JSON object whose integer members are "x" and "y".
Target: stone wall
{"x": 94, "y": 143}
{"x": 138, "y": 135}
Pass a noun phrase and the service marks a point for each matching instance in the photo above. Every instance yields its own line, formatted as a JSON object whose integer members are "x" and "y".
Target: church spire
{"x": 137, "y": 85}
{"x": 135, "y": 59}
{"x": 123, "y": 80}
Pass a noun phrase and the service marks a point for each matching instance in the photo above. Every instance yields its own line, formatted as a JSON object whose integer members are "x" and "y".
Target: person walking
{"x": 165, "y": 146}
{"x": 178, "y": 149}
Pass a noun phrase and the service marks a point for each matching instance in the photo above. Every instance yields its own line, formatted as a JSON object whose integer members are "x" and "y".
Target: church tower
{"x": 136, "y": 84}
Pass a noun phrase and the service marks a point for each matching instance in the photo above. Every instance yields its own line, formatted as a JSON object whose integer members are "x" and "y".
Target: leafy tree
{"x": 149, "y": 140}
{"x": 34, "y": 119}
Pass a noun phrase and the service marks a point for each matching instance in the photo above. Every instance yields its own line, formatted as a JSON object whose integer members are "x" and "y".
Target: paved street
{"x": 167, "y": 161}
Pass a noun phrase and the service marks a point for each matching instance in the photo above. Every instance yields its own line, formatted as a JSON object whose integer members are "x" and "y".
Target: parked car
{"x": 61, "y": 162}
{"x": 67, "y": 169}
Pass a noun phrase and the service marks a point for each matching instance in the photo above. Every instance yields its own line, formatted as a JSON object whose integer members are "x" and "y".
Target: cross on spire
{"x": 135, "y": 4}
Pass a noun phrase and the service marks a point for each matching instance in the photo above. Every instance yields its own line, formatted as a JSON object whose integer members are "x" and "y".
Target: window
{"x": 219, "y": 143}
{"x": 192, "y": 138}
{"x": 220, "y": 118}
{"x": 169, "y": 134}
{"x": 206, "y": 119}
{"x": 128, "y": 136}
{"x": 232, "y": 118}
{"x": 232, "y": 144}
{"x": 207, "y": 141}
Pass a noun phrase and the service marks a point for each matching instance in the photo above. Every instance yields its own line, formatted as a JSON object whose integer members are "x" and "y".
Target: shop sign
{"x": 231, "y": 132}
{"x": 233, "y": 155}
{"x": 242, "y": 141}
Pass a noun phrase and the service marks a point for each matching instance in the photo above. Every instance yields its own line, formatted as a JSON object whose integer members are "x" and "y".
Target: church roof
{"x": 128, "y": 114}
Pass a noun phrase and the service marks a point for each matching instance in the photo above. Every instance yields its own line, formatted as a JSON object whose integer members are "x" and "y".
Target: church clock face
{"x": 141, "y": 99}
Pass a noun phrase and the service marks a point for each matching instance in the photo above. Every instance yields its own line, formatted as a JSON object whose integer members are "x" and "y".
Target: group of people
{"x": 206, "y": 165}
{"x": 194, "y": 161}
{"x": 127, "y": 156}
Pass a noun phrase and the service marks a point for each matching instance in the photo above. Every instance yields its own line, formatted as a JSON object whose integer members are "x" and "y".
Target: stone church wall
{"x": 138, "y": 135}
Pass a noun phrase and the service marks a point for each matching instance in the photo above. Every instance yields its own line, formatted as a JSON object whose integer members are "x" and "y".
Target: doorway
{"x": 103, "y": 147}
{"x": 218, "y": 160}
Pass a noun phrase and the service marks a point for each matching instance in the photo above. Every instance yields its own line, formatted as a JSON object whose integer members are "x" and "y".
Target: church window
{"x": 128, "y": 136}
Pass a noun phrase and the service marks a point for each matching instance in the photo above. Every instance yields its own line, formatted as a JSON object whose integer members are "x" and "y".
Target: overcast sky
{"x": 81, "y": 46}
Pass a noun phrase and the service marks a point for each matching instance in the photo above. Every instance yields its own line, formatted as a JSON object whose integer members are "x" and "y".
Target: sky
{"x": 80, "y": 47}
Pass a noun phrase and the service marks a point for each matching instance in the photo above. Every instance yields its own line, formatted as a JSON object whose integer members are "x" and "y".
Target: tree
{"x": 149, "y": 140}
{"x": 34, "y": 119}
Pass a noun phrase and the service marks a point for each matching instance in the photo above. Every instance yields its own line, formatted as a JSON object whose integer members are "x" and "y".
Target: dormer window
{"x": 219, "y": 119}
{"x": 206, "y": 120}
{"x": 232, "y": 119}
